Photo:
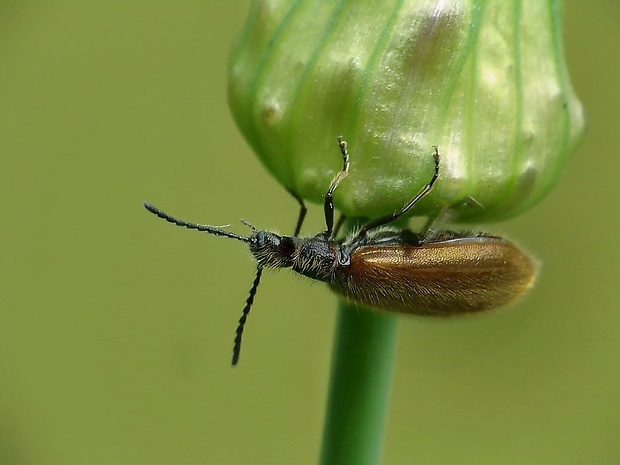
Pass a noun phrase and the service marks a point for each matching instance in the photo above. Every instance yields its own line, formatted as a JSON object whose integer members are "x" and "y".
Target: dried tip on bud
{"x": 486, "y": 82}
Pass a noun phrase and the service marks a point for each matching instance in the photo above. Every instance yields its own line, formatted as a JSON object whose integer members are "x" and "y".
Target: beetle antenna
{"x": 244, "y": 316}
{"x": 199, "y": 227}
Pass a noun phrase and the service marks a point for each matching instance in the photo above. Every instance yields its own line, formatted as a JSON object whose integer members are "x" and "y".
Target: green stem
{"x": 362, "y": 363}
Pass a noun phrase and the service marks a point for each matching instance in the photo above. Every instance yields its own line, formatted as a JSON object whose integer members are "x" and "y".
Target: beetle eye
{"x": 260, "y": 241}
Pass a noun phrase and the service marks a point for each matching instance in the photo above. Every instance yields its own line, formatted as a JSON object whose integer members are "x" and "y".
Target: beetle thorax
{"x": 316, "y": 258}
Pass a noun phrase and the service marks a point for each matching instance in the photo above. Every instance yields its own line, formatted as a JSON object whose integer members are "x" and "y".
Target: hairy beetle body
{"x": 443, "y": 277}
{"x": 443, "y": 274}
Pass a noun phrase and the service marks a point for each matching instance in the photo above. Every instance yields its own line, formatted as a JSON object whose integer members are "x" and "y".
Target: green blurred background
{"x": 116, "y": 329}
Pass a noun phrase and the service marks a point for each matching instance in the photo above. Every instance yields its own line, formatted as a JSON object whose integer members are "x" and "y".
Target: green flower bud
{"x": 485, "y": 81}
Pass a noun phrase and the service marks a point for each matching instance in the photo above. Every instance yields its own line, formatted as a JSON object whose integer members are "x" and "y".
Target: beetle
{"x": 436, "y": 273}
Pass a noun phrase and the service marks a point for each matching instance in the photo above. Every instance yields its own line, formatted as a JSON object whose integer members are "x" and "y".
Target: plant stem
{"x": 361, "y": 372}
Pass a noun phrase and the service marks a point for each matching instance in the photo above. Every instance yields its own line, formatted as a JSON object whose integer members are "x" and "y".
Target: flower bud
{"x": 485, "y": 81}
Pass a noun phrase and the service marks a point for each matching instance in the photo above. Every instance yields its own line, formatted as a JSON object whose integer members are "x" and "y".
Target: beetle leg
{"x": 302, "y": 212}
{"x": 394, "y": 216}
{"x": 329, "y": 196}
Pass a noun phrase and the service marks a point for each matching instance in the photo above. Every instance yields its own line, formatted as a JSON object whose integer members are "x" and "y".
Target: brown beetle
{"x": 445, "y": 273}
